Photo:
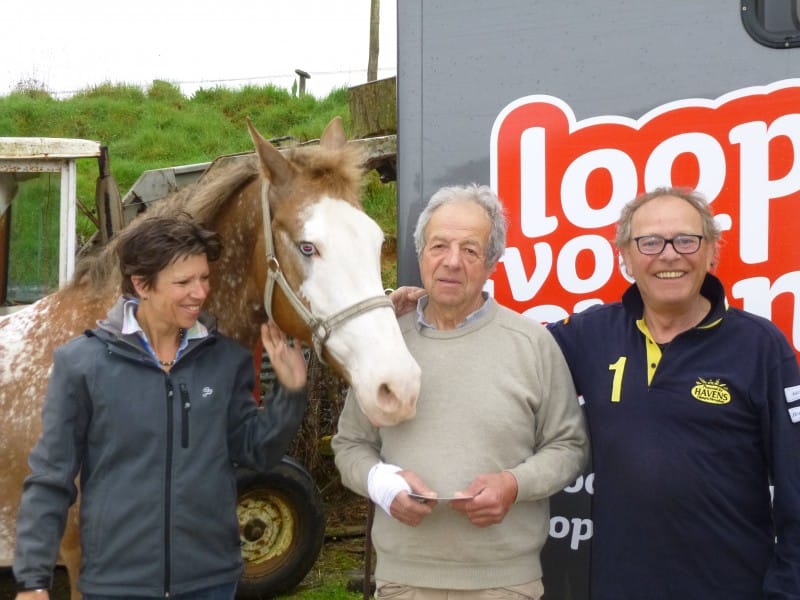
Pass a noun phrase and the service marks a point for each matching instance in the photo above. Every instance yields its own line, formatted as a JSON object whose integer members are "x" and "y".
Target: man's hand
{"x": 405, "y": 299}
{"x": 408, "y": 510}
{"x": 494, "y": 493}
{"x": 286, "y": 357}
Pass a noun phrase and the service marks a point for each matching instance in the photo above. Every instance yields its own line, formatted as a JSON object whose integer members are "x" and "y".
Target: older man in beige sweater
{"x": 498, "y": 426}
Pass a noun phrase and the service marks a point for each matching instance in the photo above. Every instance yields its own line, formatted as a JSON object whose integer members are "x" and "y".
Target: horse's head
{"x": 327, "y": 255}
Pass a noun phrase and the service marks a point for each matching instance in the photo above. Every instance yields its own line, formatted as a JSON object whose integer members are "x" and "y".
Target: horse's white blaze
{"x": 384, "y": 375}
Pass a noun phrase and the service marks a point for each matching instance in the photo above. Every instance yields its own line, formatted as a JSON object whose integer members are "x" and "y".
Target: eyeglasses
{"x": 684, "y": 243}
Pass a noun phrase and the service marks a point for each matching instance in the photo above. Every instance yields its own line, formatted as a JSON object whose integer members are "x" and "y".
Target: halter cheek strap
{"x": 320, "y": 328}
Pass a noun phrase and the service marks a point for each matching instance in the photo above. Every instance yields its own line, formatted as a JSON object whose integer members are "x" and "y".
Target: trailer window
{"x": 773, "y": 23}
{"x": 32, "y": 240}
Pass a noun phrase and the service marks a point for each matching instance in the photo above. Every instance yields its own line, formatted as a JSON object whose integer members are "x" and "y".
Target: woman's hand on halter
{"x": 287, "y": 358}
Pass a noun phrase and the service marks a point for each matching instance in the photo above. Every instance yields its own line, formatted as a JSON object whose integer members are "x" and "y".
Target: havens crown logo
{"x": 711, "y": 392}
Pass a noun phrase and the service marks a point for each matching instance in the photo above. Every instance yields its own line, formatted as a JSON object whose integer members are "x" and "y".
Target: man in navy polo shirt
{"x": 693, "y": 410}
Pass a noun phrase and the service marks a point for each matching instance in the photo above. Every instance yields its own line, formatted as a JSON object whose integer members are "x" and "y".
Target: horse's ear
{"x": 272, "y": 164}
{"x": 333, "y": 137}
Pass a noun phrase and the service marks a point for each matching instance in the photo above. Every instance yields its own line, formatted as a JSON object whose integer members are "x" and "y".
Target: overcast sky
{"x": 70, "y": 45}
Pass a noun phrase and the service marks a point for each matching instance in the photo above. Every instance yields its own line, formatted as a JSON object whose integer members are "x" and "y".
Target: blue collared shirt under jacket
{"x": 686, "y": 441}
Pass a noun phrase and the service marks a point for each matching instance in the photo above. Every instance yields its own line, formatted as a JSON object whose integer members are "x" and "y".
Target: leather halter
{"x": 320, "y": 328}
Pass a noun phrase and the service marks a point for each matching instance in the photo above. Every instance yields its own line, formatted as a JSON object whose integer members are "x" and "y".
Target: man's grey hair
{"x": 711, "y": 231}
{"x": 479, "y": 194}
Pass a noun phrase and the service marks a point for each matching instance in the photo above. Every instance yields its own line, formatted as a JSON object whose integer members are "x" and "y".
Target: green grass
{"x": 159, "y": 127}
{"x": 380, "y": 202}
{"x": 328, "y": 578}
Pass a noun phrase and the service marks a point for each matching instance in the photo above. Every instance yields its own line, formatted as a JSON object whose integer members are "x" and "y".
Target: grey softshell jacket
{"x": 156, "y": 455}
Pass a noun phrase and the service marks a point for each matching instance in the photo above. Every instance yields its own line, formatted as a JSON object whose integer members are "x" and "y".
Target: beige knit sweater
{"x": 496, "y": 395}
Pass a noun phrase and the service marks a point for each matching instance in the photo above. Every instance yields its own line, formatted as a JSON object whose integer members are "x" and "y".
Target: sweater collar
{"x": 473, "y": 316}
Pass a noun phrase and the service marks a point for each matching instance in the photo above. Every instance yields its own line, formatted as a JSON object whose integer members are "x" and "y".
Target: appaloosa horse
{"x": 291, "y": 223}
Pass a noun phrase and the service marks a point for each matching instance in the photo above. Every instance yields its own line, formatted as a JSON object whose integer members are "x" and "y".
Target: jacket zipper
{"x": 186, "y": 405}
{"x": 168, "y": 491}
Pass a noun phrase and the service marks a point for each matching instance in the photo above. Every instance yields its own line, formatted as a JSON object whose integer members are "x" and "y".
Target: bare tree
{"x": 374, "y": 27}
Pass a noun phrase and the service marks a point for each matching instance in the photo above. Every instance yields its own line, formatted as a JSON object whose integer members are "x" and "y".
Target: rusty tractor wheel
{"x": 281, "y": 526}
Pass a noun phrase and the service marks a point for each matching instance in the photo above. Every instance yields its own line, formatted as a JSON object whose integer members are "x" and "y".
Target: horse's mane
{"x": 337, "y": 172}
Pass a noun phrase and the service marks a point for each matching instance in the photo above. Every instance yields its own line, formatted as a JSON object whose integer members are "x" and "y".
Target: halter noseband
{"x": 320, "y": 328}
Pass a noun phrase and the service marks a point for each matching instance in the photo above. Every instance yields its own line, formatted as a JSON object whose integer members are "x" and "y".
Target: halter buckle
{"x": 273, "y": 265}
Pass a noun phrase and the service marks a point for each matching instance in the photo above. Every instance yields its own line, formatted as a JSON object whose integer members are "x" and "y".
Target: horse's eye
{"x": 307, "y": 248}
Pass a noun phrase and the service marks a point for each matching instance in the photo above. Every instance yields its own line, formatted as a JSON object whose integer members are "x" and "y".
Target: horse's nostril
{"x": 388, "y": 402}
